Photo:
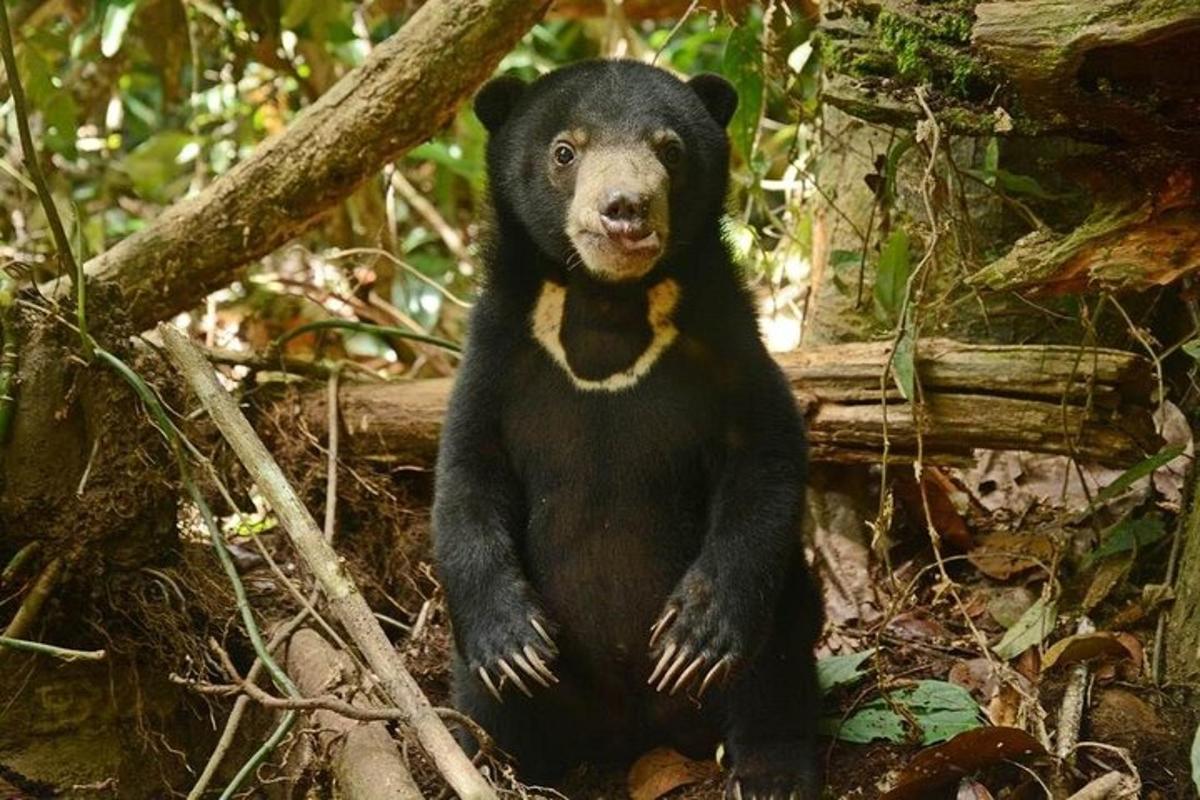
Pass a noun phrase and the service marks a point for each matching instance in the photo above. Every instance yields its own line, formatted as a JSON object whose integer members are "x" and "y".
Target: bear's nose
{"x": 624, "y": 212}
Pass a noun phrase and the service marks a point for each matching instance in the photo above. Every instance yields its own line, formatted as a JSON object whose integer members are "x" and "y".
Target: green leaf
{"x": 117, "y": 14}
{"x": 1034, "y": 625}
{"x": 991, "y": 160}
{"x": 892, "y": 167}
{"x": 446, "y": 156}
{"x": 1139, "y": 471}
{"x": 1012, "y": 183}
{"x": 891, "y": 279}
{"x": 942, "y": 710}
{"x": 1192, "y": 348}
{"x": 743, "y": 66}
{"x": 834, "y": 671}
{"x": 904, "y": 367}
{"x": 1126, "y": 535}
{"x": 867, "y": 725}
{"x": 938, "y": 726}
{"x": 154, "y": 164}
{"x": 928, "y": 696}
{"x": 55, "y": 104}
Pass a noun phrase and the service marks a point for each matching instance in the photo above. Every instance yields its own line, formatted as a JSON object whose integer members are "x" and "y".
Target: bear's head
{"x": 615, "y": 165}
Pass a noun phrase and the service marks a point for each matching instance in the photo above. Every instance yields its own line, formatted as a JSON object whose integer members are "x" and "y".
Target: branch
{"x": 346, "y": 603}
{"x": 61, "y": 653}
{"x": 407, "y": 89}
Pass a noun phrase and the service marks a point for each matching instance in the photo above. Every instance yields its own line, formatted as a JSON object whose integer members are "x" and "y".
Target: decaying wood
{"x": 976, "y": 396}
{"x": 346, "y": 603}
{"x": 1119, "y": 66}
{"x": 407, "y": 89}
{"x": 1115, "y": 249}
{"x": 366, "y": 764}
{"x": 1099, "y": 69}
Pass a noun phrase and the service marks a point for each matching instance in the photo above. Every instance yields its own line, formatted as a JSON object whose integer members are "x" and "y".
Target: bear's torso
{"x": 612, "y": 420}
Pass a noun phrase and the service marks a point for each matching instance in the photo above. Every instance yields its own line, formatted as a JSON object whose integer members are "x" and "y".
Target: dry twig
{"x": 345, "y": 600}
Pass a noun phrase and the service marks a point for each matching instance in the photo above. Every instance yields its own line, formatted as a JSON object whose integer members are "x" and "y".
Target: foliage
{"x": 142, "y": 103}
{"x": 841, "y": 670}
{"x": 940, "y": 711}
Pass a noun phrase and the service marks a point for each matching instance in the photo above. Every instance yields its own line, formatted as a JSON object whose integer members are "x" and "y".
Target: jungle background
{"x": 971, "y": 227}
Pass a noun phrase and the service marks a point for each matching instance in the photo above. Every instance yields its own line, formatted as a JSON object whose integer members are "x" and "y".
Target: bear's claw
{"x": 527, "y": 656}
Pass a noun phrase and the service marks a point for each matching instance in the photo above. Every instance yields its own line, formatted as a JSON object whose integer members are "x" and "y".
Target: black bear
{"x": 622, "y": 470}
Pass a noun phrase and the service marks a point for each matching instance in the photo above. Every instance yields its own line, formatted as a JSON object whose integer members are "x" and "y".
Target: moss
{"x": 935, "y": 50}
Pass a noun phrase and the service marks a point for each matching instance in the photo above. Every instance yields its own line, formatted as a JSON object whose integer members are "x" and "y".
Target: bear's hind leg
{"x": 773, "y": 705}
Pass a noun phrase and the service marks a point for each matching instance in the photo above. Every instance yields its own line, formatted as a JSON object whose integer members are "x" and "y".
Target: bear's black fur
{"x": 591, "y": 513}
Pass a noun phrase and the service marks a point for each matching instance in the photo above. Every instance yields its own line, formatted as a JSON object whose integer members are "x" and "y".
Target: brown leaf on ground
{"x": 1122, "y": 718}
{"x": 1007, "y": 604}
{"x": 1086, "y": 647}
{"x": 966, "y": 753}
{"x": 1003, "y": 555}
{"x": 971, "y": 789}
{"x": 998, "y": 688}
{"x": 663, "y": 770}
{"x": 946, "y": 518}
{"x": 918, "y": 625}
{"x": 1108, "y": 574}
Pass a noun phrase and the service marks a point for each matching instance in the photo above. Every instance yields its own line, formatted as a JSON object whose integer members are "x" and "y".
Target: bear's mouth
{"x": 618, "y": 256}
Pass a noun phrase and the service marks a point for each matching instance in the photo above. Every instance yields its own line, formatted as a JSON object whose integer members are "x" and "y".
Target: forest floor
{"x": 934, "y": 655}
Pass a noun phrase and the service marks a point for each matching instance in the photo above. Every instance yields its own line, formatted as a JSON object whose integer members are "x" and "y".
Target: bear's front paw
{"x": 502, "y": 653}
{"x": 778, "y": 771}
{"x": 697, "y": 638}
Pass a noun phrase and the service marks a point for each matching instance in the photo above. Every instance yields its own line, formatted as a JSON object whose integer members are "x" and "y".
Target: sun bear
{"x": 621, "y": 474}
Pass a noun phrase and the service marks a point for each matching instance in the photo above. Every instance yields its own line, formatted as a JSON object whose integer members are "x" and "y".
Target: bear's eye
{"x": 672, "y": 153}
{"x": 564, "y": 154}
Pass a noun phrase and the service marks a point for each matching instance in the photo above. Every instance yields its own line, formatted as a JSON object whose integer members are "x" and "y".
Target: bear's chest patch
{"x": 605, "y": 341}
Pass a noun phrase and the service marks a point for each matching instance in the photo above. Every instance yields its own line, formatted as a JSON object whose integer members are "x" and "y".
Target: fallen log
{"x": 366, "y": 764}
{"x": 1093, "y": 403}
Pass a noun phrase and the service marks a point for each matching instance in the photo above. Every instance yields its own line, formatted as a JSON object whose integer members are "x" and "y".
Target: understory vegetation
{"x": 980, "y": 283}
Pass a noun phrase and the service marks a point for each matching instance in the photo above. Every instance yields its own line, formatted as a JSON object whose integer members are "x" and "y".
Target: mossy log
{"x": 1110, "y": 71}
{"x": 1116, "y": 248}
{"x": 1129, "y": 68}
{"x": 1093, "y": 403}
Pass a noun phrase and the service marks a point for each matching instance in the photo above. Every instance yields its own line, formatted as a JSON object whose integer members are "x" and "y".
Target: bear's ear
{"x": 496, "y": 99}
{"x": 718, "y": 96}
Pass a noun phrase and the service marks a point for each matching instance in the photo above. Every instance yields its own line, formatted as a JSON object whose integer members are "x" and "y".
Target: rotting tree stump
{"x": 1095, "y": 404}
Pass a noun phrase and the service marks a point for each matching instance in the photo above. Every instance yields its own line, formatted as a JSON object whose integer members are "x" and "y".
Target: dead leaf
{"x": 1121, "y": 718}
{"x": 1008, "y": 604}
{"x": 966, "y": 753}
{"x": 1109, "y": 572}
{"x": 663, "y": 770}
{"x": 946, "y": 518}
{"x": 1003, "y": 555}
{"x": 1085, "y": 647}
{"x": 971, "y": 789}
{"x": 1005, "y": 708}
{"x": 918, "y": 625}
{"x": 977, "y": 676}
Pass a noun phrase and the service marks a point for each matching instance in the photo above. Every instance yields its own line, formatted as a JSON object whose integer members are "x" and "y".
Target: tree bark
{"x": 366, "y": 764}
{"x": 408, "y": 88}
{"x": 1005, "y": 397}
